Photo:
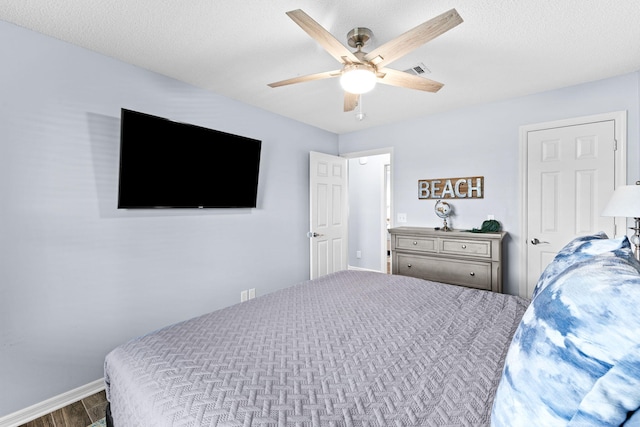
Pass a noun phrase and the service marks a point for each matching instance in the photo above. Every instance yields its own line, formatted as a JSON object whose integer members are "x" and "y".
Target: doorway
{"x": 370, "y": 198}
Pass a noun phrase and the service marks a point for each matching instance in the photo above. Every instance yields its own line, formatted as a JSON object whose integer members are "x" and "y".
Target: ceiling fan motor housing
{"x": 361, "y": 67}
{"x": 359, "y": 36}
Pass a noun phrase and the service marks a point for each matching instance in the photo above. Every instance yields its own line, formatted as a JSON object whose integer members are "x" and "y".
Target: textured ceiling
{"x": 503, "y": 49}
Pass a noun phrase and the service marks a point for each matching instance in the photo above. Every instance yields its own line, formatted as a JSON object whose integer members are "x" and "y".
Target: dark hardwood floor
{"x": 78, "y": 414}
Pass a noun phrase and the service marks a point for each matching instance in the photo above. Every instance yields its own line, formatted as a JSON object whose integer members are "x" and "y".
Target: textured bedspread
{"x": 348, "y": 349}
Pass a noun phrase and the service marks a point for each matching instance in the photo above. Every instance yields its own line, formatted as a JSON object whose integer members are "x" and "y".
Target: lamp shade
{"x": 358, "y": 78}
{"x": 625, "y": 201}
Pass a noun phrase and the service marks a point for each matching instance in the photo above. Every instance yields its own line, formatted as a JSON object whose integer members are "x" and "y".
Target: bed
{"x": 368, "y": 349}
{"x": 351, "y": 348}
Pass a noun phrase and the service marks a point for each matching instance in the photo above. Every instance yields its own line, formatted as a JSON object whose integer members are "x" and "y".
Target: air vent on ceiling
{"x": 418, "y": 70}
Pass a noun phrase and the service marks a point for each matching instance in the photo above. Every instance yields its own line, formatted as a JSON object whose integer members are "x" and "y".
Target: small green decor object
{"x": 488, "y": 226}
{"x": 100, "y": 423}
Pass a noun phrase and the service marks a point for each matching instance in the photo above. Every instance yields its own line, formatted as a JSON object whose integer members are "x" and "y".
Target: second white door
{"x": 570, "y": 178}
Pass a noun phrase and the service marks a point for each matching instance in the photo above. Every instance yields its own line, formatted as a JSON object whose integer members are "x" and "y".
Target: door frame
{"x": 375, "y": 152}
{"x": 620, "y": 175}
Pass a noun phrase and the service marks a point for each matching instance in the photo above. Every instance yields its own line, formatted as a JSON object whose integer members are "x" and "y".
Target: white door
{"x": 328, "y": 211}
{"x": 570, "y": 178}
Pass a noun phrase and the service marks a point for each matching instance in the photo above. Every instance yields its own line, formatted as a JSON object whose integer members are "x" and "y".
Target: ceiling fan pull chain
{"x": 360, "y": 116}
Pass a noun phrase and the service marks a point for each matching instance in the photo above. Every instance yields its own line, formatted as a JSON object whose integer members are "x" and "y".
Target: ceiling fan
{"x": 360, "y": 70}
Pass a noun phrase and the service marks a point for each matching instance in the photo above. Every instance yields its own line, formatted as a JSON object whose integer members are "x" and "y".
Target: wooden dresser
{"x": 457, "y": 257}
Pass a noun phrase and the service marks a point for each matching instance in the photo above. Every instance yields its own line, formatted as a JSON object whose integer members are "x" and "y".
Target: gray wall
{"x": 484, "y": 141}
{"x": 78, "y": 276}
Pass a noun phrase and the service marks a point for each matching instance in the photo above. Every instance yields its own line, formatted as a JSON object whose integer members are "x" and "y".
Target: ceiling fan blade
{"x": 402, "y": 79}
{"x": 307, "y": 78}
{"x": 322, "y": 36}
{"x": 413, "y": 38}
{"x": 350, "y": 101}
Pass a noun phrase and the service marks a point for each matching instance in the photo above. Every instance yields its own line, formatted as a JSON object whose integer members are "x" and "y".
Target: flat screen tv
{"x": 167, "y": 164}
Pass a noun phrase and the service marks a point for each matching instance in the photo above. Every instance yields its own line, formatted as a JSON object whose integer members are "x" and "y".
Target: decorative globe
{"x": 443, "y": 209}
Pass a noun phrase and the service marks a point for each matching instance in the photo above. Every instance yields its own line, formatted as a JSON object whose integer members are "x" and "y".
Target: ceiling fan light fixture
{"x": 358, "y": 78}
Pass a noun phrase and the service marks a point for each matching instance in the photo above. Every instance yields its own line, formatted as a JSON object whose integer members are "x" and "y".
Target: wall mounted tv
{"x": 167, "y": 164}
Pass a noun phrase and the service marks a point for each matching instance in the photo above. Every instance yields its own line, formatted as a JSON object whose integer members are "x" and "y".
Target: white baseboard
{"x": 25, "y": 415}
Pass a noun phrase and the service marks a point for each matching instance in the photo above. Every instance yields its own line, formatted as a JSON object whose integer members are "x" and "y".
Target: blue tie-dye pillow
{"x": 579, "y": 249}
{"x": 575, "y": 357}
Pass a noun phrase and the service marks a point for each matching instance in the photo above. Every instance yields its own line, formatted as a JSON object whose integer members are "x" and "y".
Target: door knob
{"x": 314, "y": 234}
{"x": 535, "y": 241}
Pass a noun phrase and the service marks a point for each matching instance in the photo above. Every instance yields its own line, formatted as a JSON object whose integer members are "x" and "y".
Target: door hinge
{"x": 615, "y": 145}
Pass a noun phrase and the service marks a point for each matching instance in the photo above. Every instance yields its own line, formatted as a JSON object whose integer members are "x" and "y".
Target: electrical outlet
{"x": 358, "y": 254}
{"x": 252, "y": 293}
{"x": 491, "y": 217}
{"x": 243, "y": 296}
{"x": 402, "y": 217}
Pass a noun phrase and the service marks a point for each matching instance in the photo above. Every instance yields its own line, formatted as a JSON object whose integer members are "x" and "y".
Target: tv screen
{"x": 167, "y": 164}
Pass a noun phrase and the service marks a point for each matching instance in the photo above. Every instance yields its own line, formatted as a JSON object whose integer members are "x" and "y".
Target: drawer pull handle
{"x": 415, "y": 243}
{"x": 472, "y": 274}
{"x": 464, "y": 246}
{"x": 408, "y": 265}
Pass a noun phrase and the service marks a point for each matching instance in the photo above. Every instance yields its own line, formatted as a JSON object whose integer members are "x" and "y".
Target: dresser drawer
{"x": 480, "y": 248}
{"x": 465, "y": 273}
{"x": 422, "y": 244}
